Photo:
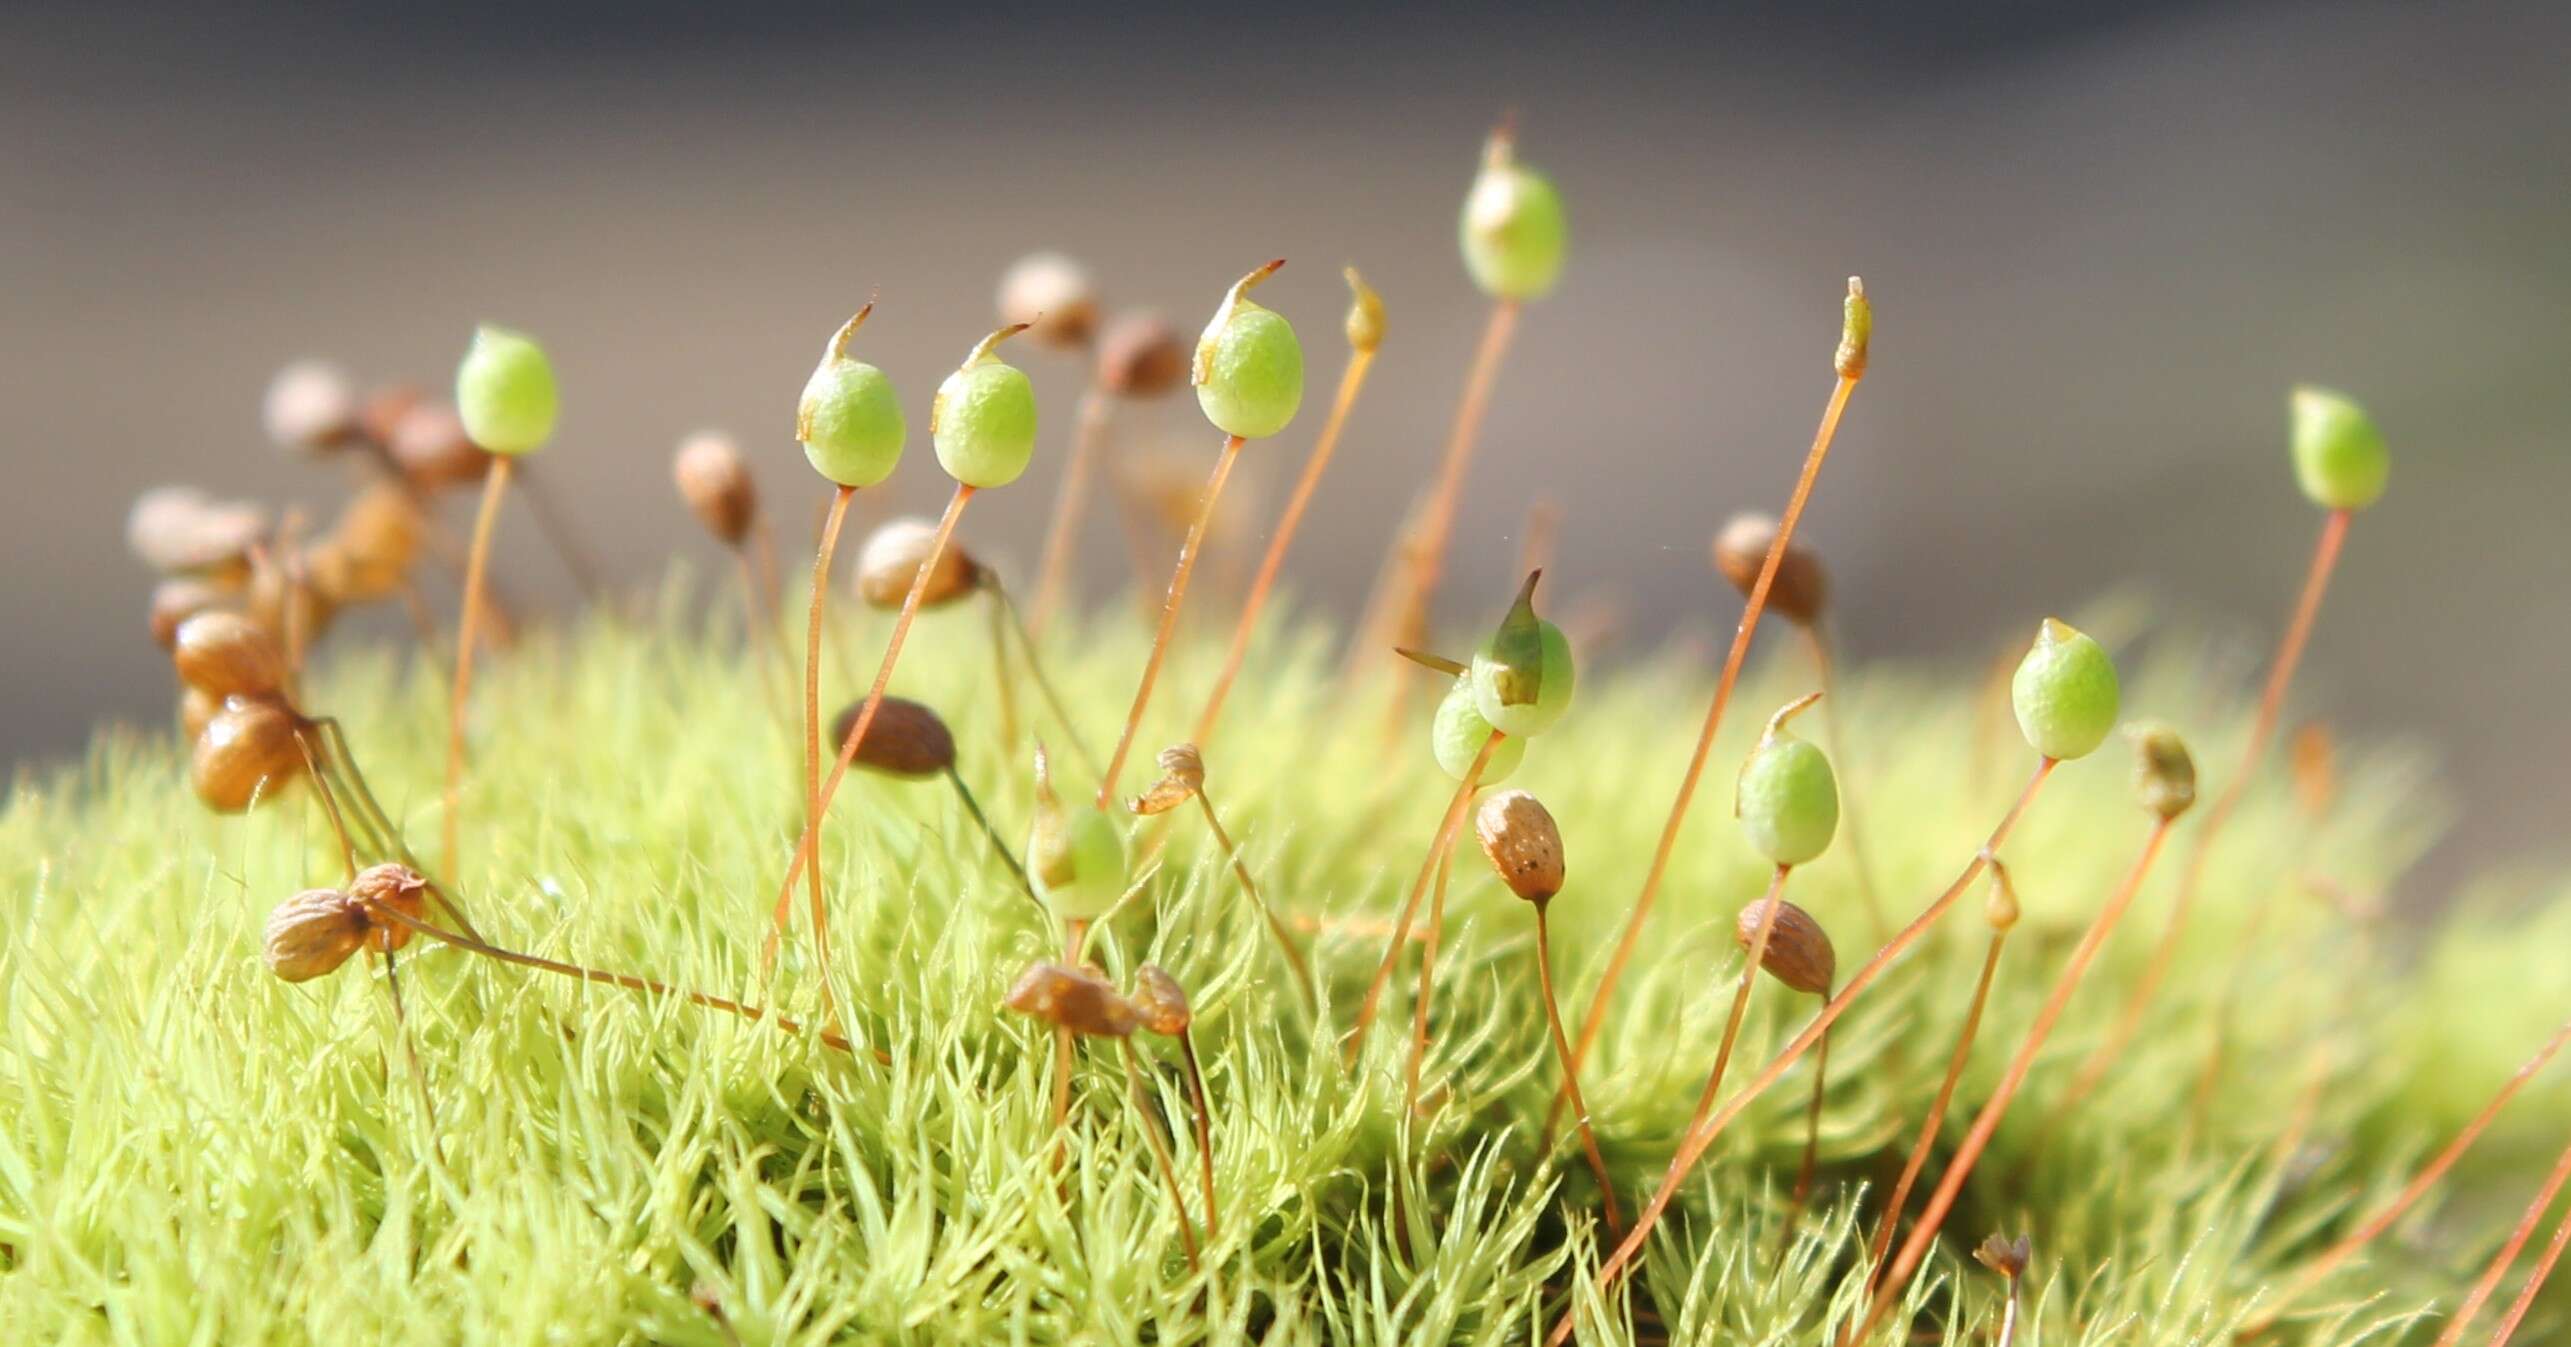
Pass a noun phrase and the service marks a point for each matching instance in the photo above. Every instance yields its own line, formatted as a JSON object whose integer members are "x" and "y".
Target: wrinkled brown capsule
{"x": 1800, "y": 588}
{"x": 1182, "y": 776}
{"x": 714, "y": 479}
{"x": 906, "y": 738}
{"x": 1519, "y": 835}
{"x": 1142, "y": 356}
{"x": 311, "y": 407}
{"x": 429, "y": 442}
{"x": 248, "y": 751}
{"x": 893, "y": 555}
{"x": 392, "y": 885}
{"x": 1053, "y": 296}
{"x": 1160, "y": 1001}
{"x": 175, "y": 601}
{"x": 179, "y": 530}
{"x": 1074, "y": 999}
{"x": 2164, "y": 774}
{"x": 312, "y": 933}
{"x": 227, "y": 655}
{"x": 1798, "y": 954}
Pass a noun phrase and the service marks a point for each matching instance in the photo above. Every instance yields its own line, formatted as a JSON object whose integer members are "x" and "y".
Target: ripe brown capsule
{"x": 197, "y": 708}
{"x": 1182, "y": 776}
{"x": 369, "y": 553}
{"x": 893, "y": 555}
{"x": 907, "y": 739}
{"x": 395, "y": 886}
{"x": 1141, "y": 356}
{"x": 1799, "y": 952}
{"x": 248, "y": 750}
{"x": 310, "y": 407}
{"x": 2164, "y": 773}
{"x": 1524, "y": 845}
{"x": 179, "y": 530}
{"x": 715, "y": 482}
{"x": 1074, "y": 999}
{"x": 1052, "y": 296}
{"x": 1160, "y": 1001}
{"x": 227, "y": 655}
{"x": 175, "y": 601}
{"x": 428, "y": 440}
{"x": 1741, "y": 550}
{"x": 312, "y": 933}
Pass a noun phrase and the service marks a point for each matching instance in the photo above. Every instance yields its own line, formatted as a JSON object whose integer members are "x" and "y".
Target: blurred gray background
{"x": 2103, "y": 239}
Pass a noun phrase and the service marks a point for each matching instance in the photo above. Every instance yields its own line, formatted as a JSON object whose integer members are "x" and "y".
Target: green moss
{"x": 190, "y": 1148}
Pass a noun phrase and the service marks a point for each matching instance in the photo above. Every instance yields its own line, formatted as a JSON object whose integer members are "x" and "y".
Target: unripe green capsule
{"x": 1523, "y": 674}
{"x": 2339, "y": 456}
{"x": 1075, "y": 855}
{"x": 1458, "y": 732}
{"x": 850, "y": 419}
{"x": 1513, "y": 229}
{"x": 2065, "y": 692}
{"x": 504, "y": 392}
{"x": 983, "y": 420}
{"x": 1249, "y": 364}
{"x": 1787, "y": 798}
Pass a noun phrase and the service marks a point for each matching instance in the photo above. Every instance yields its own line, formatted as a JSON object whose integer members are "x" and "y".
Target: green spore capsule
{"x": 1249, "y": 364}
{"x": 1513, "y": 230}
{"x": 2065, "y": 692}
{"x": 1787, "y": 798}
{"x": 2339, "y": 456}
{"x": 1075, "y": 855}
{"x": 1522, "y": 675}
{"x": 850, "y": 419}
{"x": 504, "y": 392}
{"x": 1457, "y": 733}
{"x": 983, "y": 421}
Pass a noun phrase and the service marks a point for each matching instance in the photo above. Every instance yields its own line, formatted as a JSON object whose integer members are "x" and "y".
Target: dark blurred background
{"x": 2103, "y": 239}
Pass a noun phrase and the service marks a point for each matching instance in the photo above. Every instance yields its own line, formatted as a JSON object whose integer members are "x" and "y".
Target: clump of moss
{"x": 189, "y": 1147}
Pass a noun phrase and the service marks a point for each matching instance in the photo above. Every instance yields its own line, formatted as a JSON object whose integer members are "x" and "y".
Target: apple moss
{"x": 191, "y": 1148}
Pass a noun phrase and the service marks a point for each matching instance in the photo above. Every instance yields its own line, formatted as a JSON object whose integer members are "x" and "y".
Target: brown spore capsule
{"x": 176, "y": 600}
{"x": 248, "y": 751}
{"x": 1160, "y": 1001}
{"x": 1141, "y": 356}
{"x": 893, "y": 555}
{"x": 906, "y": 738}
{"x": 178, "y": 530}
{"x": 311, "y": 407}
{"x": 1052, "y": 295}
{"x": 311, "y": 934}
{"x": 714, "y": 479}
{"x": 2164, "y": 773}
{"x": 429, "y": 442}
{"x": 227, "y": 655}
{"x": 1799, "y": 953}
{"x": 1182, "y": 776}
{"x": 371, "y": 550}
{"x": 1800, "y": 589}
{"x": 1074, "y": 999}
{"x": 1519, "y": 835}
{"x": 392, "y": 885}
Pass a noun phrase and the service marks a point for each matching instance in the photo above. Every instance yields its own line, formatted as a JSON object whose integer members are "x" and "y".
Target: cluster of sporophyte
{"x": 2267, "y": 1121}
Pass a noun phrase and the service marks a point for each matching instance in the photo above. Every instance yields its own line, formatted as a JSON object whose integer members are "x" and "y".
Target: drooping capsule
{"x": 1160, "y": 1001}
{"x": 1513, "y": 230}
{"x": 891, "y": 560}
{"x": 1074, "y": 999}
{"x": 1800, "y": 588}
{"x": 312, "y": 934}
{"x": 1458, "y": 731}
{"x": 1523, "y": 673}
{"x": 249, "y": 751}
{"x": 1799, "y": 953}
{"x": 504, "y": 391}
{"x": 395, "y": 886}
{"x": 1075, "y": 854}
{"x": 1141, "y": 356}
{"x": 1787, "y": 799}
{"x": 849, "y": 419}
{"x": 227, "y": 655}
{"x": 983, "y": 420}
{"x": 2164, "y": 771}
{"x": 714, "y": 479}
{"x": 310, "y": 407}
{"x": 2339, "y": 457}
{"x": 905, "y": 738}
{"x": 2065, "y": 692}
{"x": 1249, "y": 364}
{"x": 1052, "y": 297}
